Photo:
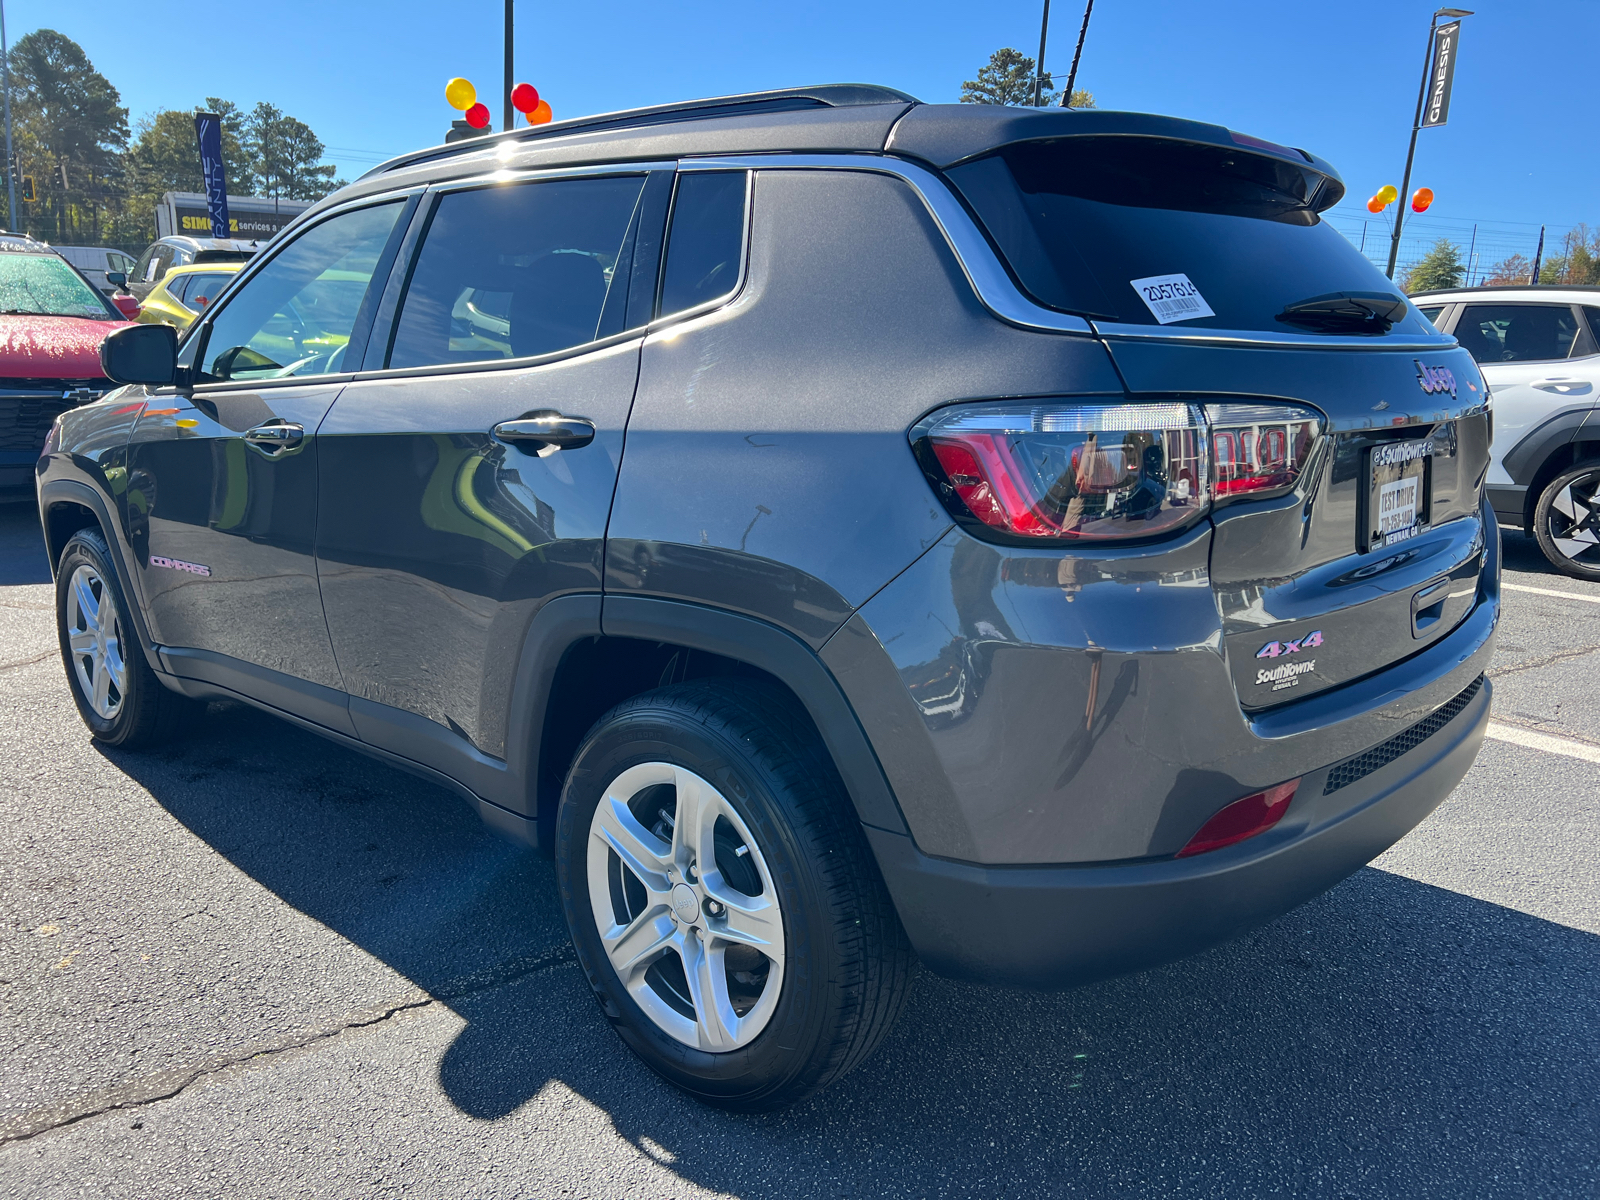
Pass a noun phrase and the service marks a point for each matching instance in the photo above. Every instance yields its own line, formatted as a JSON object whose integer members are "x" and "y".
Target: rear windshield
{"x": 1153, "y": 231}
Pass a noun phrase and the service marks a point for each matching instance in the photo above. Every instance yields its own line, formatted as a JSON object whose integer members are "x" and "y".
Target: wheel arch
{"x": 644, "y": 643}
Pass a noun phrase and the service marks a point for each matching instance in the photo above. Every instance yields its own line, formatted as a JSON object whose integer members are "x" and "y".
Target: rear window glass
{"x": 706, "y": 241}
{"x": 1153, "y": 231}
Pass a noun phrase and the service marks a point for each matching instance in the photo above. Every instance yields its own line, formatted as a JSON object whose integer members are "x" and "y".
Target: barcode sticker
{"x": 1172, "y": 298}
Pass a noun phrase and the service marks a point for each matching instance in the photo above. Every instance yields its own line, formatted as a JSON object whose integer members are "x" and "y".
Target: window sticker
{"x": 1172, "y": 298}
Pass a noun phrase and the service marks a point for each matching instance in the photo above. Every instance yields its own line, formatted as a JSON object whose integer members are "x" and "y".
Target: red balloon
{"x": 478, "y": 116}
{"x": 524, "y": 97}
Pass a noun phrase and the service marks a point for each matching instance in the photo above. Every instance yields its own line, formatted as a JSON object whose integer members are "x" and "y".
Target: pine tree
{"x": 1441, "y": 267}
{"x": 1007, "y": 78}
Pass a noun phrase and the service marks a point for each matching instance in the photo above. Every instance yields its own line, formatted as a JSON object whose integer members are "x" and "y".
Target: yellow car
{"x": 183, "y": 293}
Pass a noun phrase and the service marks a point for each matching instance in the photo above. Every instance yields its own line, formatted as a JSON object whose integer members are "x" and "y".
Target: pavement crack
{"x": 26, "y": 662}
{"x": 1559, "y": 656}
{"x": 164, "y": 1085}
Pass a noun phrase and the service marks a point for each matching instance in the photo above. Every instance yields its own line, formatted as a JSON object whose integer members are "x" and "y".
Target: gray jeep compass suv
{"x": 841, "y": 530}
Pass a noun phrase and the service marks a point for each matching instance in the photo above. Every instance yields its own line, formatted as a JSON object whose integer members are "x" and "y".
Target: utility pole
{"x": 1416, "y": 124}
{"x": 1072, "y": 75}
{"x": 11, "y": 160}
{"x": 505, "y": 101}
{"x": 1038, "y": 70}
{"x": 1470, "y": 249}
{"x": 1538, "y": 257}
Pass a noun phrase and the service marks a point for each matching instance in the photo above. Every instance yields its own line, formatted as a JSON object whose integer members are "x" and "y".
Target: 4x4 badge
{"x": 1435, "y": 379}
{"x": 1277, "y": 649}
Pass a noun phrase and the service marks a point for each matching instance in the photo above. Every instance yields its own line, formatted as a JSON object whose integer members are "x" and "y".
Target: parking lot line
{"x": 1544, "y": 741}
{"x": 1522, "y": 587}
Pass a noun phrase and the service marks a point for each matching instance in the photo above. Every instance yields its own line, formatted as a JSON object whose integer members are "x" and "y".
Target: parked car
{"x": 1539, "y": 351}
{"x": 97, "y": 262}
{"x": 184, "y": 293}
{"x": 166, "y": 253}
{"x": 838, "y": 529}
{"x": 52, "y": 321}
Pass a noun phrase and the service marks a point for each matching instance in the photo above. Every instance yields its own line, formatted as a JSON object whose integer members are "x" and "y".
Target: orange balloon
{"x": 1374, "y": 205}
{"x": 1421, "y": 199}
{"x": 541, "y": 114}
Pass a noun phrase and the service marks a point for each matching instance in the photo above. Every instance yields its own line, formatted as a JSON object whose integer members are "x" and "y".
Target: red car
{"x": 52, "y": 321}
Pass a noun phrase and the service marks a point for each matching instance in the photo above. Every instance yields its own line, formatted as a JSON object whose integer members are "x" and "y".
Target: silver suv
{"x": 1539, "y": 351}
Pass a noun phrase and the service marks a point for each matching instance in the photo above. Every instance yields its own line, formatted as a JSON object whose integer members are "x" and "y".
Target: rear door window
{"x": 1432, "y": 312}
{"x": 1495, "y": 333}
{"x": 517, "y": 271}
{"x": 1155, "y": 231}
{"x": 705, "y": 245}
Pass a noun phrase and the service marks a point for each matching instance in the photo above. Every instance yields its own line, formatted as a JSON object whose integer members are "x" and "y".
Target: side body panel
{"x": 438, "y": 543}
{"x": 767, "y": 467}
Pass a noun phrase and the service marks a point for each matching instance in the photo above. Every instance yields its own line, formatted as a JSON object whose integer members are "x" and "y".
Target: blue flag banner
{"x": 208, "y": 129}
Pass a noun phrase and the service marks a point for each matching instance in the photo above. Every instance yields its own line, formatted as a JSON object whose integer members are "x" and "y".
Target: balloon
{"x": 524, "y": 97}
{"x": 478, "y": 116}
{"x": 459, "y": 93}
{"x": 1421, "y": 199}
{"x": 1374, "y": 205}
{"x": 541, "y": 114}
{"x": 1388, "y": 193}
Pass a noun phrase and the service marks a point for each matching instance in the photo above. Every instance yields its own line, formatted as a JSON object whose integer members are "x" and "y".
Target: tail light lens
{"x": 1242, "y": 819}
{"x": 1107, "y": 472}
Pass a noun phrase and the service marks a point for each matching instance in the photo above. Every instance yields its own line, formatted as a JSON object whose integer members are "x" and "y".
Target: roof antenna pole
{"x": 1038, "y": 70}
{"x": 11, "y": 160}
{"x": 1072, "y": 75}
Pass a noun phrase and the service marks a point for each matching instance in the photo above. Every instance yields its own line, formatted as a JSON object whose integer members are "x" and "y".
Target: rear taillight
{"x": 1242, "y": 819}
{"x": 1107, "y": 472}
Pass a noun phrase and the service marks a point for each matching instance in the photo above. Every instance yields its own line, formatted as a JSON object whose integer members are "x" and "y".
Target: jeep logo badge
{"x": 1435, "y": 379}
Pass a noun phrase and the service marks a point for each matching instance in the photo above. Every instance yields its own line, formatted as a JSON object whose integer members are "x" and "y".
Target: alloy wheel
{"x": 686, "y": 907}
{"x": 94, "y": 638}
{"x": 1574, "y": 521}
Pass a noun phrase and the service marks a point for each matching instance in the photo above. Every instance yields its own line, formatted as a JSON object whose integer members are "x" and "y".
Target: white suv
{"x": 1539, "y": 350}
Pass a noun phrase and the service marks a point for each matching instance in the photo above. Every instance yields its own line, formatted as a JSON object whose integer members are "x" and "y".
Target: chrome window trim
{"x": 994, "y": 286}
{"x": 508, "y": 175}
{"x": 978, "y": 260}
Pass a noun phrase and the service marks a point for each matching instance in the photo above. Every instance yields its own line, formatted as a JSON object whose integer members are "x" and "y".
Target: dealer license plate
{"x": 1397, "y": 491}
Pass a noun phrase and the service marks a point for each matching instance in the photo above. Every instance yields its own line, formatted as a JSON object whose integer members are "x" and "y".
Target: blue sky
{"x": 1340, "y": 80}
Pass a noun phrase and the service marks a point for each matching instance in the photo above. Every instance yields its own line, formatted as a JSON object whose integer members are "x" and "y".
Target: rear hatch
{"x": 1201, "y": 258}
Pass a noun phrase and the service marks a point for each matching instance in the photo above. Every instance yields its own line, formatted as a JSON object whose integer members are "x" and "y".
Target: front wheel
{"x": 1567, "y": 522}
{"x": 722, "y": 899}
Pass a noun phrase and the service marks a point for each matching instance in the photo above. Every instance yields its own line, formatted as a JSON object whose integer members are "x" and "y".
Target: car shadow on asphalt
{"x": 22, "y": 555}
{"x": 1387, "y": 1038}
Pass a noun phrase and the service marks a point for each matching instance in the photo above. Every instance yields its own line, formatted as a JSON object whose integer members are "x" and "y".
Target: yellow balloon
{"x": 1388, "y": 193}
{"x": 459, "y": 93}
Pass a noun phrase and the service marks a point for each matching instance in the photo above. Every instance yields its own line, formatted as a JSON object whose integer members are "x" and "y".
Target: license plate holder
{"x": 1399, "y": 479}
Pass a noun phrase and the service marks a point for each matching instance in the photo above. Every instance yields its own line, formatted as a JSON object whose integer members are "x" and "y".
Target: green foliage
{"x": 72, "y": 136}
{"x": 1578, "y": 263}
{"x": 1078, "y": 99}
{"x": 1441, "y": 267}
{"x": 1007, "y": 78}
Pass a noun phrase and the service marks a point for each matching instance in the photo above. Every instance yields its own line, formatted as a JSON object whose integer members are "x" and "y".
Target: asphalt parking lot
{"x": 256, "y": 965}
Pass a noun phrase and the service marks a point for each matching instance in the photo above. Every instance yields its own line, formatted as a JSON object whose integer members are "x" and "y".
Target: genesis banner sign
{"x": 1446, "y": 44}
{"x": 208, "y": 130}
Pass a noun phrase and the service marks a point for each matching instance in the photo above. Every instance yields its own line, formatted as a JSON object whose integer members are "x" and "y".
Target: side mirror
{"x": 145, "y": 354}
{"x": 117, "y": 279}
{"x": 126, "y": 305}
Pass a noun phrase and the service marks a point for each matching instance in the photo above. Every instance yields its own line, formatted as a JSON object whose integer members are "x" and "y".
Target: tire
{"x": 1566, "y": 521}
{"x": 737, "y": 768}
{"x": 117, "y": 694}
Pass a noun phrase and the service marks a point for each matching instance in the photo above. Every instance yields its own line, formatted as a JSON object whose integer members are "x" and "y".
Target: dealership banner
{"x": 1446, "y": 43}
{"x": 208, "y": 130}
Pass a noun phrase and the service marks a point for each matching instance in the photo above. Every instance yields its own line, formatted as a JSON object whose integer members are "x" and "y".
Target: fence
{"x": 1488, "y": 242}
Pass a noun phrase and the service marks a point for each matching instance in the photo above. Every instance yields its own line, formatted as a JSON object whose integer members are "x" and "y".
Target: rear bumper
{"x": 1048, "y": 927}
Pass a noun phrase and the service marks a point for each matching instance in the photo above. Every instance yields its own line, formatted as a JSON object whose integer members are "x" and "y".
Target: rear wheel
{"x": 1567, "y": 522}
{"x": 722, "y": 899}
{"x": 117, "y": 694}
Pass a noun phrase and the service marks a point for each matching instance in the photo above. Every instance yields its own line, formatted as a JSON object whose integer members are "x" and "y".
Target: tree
{"x": 1007, "y": 78}
{"x": 1515, "y": 269}
{"x": 1578, "y": 262}
{"x": 286, "y": 156}
{"x": 1441, "y": 267}
{"x": 72, "y": 130}
{"x": 1078, "y": 99}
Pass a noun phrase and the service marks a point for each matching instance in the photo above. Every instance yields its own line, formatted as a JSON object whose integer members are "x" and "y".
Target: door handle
{"x": 1564, "y": 386}
{"x": 546, "y": 432}
{"x": 273, "y": 440}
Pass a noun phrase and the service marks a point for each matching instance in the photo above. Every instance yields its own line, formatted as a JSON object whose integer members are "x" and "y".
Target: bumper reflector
{"x": 1242, "y": 819}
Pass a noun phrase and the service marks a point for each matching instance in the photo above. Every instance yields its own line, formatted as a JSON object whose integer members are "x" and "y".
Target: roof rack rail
{"x": 826, "y": 95}
{"x": 1500, "y": 287}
